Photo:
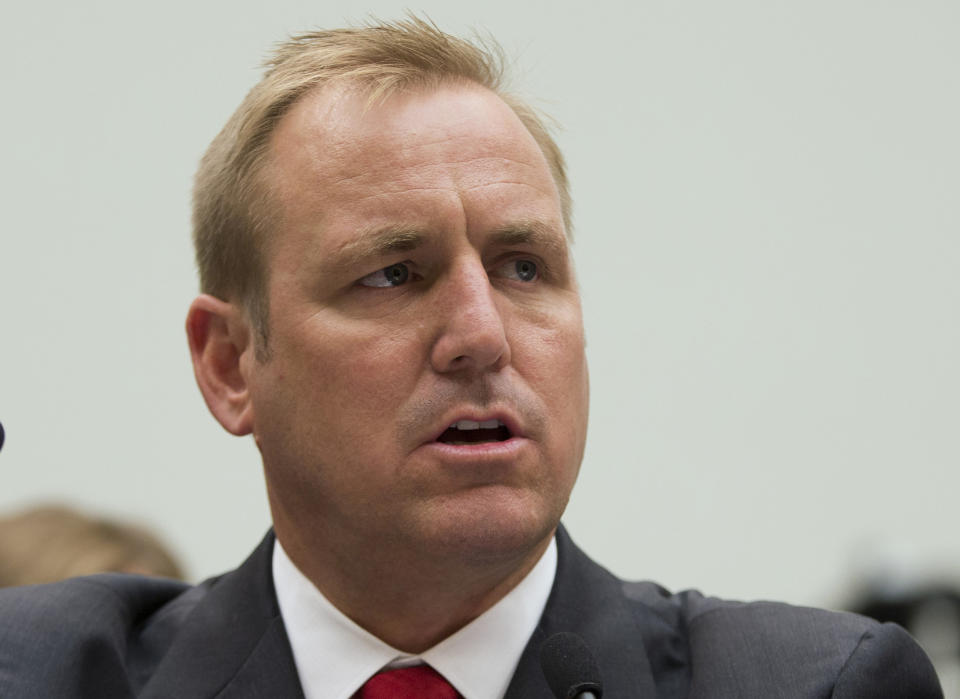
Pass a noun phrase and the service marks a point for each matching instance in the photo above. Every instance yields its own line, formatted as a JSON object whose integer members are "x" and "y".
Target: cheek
{"x": 552, "y": 361}
{"x": 552, "y": 354}
{"x": 357, "y": 374}
{"x": 324, "y": 397}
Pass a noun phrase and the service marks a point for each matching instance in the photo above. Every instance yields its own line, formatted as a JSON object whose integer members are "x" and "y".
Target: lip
{"x": 509, "y": 420}
{"x": 480, "y": 462}
{"x": 492, "y": 454}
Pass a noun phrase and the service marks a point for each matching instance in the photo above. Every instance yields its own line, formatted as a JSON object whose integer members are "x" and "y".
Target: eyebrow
{"x": 377, "y": 242}
{"x": 534, "y": 233}
{"x": 381, "y": 242}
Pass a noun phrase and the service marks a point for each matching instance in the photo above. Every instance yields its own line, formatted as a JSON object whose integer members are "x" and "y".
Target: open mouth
{"x": 473, "y": 432}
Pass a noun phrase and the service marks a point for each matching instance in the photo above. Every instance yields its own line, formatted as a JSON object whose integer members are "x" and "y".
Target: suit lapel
{"x": 589, "y": 601}
{"x": 233, "y": 644}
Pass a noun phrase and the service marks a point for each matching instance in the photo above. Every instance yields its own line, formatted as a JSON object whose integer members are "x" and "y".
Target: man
{"x": 390, "y": 309}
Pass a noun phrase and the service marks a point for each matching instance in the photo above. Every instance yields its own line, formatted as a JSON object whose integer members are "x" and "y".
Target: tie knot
{"x": 417, "y": 682}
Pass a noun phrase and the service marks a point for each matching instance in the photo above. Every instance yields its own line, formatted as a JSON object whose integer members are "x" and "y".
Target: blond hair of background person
{"x": 47, "y": 543}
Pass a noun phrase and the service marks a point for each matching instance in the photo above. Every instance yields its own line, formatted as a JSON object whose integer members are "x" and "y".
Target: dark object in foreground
{"x": 570, "y": 668}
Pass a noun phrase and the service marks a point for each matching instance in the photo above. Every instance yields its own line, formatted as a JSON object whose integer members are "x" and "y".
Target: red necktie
{"x": 417, "y": 682}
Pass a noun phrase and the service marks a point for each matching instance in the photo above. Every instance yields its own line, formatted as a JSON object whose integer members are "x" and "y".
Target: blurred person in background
{"x": 48, "y": 543}
{"x": 928, "y": 606}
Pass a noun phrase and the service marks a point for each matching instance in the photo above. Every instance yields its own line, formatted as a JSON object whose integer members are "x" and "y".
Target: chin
{"x": 492, "y": 526}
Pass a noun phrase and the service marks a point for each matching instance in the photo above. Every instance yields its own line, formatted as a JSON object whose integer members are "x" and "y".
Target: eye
{"x": 523, "y": 270}
{"x": 394, "y": 275}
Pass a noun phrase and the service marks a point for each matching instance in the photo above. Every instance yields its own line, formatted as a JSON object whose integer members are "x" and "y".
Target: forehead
{"x": 341, "y": 119}
{"x": 334, "y": 150}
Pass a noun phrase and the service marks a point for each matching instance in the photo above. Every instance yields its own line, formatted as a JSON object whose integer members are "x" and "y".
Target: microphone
{"x": 570, "y": 668}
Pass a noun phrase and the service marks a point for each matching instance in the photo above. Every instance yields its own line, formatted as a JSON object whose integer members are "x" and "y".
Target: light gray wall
{"x": 768, "y": 237}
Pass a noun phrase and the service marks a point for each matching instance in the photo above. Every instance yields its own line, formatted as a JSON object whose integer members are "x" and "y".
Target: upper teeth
{"x": 474, "y": 425}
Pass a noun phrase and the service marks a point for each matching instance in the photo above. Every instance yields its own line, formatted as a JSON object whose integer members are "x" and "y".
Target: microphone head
{"x": 569, "y": 666}
{"x": 1, "y": 435}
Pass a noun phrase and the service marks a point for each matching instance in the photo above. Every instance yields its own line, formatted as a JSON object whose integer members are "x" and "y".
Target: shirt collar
{"x": 334, "y": 656}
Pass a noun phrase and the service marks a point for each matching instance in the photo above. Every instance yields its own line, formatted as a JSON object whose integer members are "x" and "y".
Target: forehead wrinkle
{"x": 399, "y": 192}
{"x": 485, "y": 185}
{"x": 404, "y": 167}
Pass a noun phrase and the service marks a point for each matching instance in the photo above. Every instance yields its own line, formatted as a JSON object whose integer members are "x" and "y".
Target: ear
{"x": 220, "y": 335}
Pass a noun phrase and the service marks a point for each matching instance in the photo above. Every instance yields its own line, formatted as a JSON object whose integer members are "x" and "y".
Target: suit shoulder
{"x": 54, "y": 636}
{"x": 87, "y": 604}
{"x": 111, "y": 589}
{"x": 774, "y": 622}
{"x": 760, "y": 648}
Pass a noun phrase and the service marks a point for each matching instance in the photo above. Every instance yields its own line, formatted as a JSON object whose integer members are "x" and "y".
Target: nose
{"x": 472, "y": 335}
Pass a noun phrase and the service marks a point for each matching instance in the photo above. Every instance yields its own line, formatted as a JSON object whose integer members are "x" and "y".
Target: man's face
{"x": 419, "y": 278}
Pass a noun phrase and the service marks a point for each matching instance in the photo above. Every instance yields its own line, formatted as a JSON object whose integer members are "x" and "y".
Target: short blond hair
{"x": 231, "y": 208}
{"x": 53, "y": 542}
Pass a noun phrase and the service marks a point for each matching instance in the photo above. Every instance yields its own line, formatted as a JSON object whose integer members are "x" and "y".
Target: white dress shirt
{"x": 334, "y": 656}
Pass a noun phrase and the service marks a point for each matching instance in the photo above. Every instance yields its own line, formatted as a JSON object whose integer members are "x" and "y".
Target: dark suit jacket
{"x": 112, "y": 636}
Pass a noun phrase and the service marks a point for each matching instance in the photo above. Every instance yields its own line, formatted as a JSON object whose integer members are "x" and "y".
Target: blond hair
{"x": 231, "y": 209}
{"x": 52, "y": 542}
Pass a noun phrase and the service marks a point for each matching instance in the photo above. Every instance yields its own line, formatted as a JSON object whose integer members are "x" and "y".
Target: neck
{"x": 405, "y": 599}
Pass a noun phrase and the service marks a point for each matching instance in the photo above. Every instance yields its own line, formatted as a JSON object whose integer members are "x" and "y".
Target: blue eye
{"x": 523, "y": 270}
{"x": 526, "y": 270}
{"x": 394, "y": 275}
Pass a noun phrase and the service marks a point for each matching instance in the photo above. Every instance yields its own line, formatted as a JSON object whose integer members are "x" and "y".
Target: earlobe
{"x": 220, "y": 335}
